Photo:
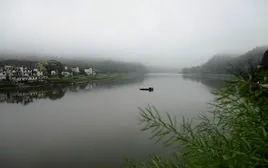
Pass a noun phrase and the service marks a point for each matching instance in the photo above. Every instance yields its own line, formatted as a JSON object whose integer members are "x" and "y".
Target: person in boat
{"x": 148, "y": 89}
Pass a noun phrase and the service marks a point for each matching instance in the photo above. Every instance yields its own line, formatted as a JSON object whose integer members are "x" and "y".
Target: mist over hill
{"x": 102, "y": 65}
{"x": 217, "y": 64}
{"x": 224, "y": 63}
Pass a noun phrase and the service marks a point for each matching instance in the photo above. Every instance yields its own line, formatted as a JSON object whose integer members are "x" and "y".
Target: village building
{"x": 37, "y": 73}
{"x": 20, "y": 74}
{"x": 3, "y": 76}
{"x": 65, "y": 74}
{"x": 88, "y": 71}
{"x": 53, "y": 73}
{"x": 76, "y": 70}
{"x": 8, "y": 68}
{"x": 24, "y": 73}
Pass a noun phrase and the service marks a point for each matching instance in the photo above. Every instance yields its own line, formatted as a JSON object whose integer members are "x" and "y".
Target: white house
{"x": 3, "y": 76}
{"x": 38, "y": 73}
{"x": 76, "y": 70}
{"x": 53, "y": 73}
{"x": 32, "y": 78}
{"x": 66, "y": 68}
{"x": 94, "y": 73}
{"x": 65, "y": 74}
{"x": 8, "y": 67}
{"x": 26, "y": 74}
{"x": 89, "y": 71}
{"x": 8, "y": 70}
{"x": 24, "y": 71}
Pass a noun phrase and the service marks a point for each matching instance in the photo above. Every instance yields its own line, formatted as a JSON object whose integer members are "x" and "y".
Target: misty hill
{"x": 23, "y": 57}
{"x": 28, "y": 63}
{"x": 104, "y": 66}
{"x": 157, "y": 69}
{"x": 224, "y": 63}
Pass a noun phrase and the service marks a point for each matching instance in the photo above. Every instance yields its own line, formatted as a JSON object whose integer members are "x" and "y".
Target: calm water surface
{"x": 94, "y": 125}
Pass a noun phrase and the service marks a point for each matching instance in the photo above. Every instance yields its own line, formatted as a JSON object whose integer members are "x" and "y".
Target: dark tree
{"x": 54, "y": 65}
{"x": 264, "y": 61}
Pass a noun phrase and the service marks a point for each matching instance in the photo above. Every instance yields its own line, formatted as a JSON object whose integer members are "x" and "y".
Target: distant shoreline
{"x": 210, "y": 76}
{"x": 64, "y": 81}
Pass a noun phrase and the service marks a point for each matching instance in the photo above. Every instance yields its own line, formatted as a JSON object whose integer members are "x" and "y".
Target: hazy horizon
{"x": 170, "y": 33}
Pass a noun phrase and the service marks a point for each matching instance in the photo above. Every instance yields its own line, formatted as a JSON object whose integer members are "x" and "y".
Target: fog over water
{"x": 73, "y": 73}
{"x": 173, "y": 33}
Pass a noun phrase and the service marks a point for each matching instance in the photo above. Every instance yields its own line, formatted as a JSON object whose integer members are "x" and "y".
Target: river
{"x": 94, "y": 125}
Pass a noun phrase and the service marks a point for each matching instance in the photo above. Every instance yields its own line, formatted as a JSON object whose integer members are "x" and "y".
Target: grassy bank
{"x": 66, "y": 81}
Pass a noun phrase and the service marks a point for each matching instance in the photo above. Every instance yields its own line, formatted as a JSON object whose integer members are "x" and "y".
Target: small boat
{"x": 150, "y": 89}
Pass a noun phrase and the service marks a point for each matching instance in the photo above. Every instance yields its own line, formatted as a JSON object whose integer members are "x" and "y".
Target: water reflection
{"x": 92, "y": 125}
{"x": 211, "y": 83}
{"x": 26, "y": 97}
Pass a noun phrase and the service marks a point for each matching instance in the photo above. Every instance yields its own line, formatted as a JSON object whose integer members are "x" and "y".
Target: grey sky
{"x": 174, "y": 33}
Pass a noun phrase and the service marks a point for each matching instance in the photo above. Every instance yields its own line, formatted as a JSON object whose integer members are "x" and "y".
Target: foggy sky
{"x": 173, "y": 33}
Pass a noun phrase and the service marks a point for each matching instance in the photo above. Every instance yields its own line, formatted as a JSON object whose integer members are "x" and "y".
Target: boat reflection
{"x": 26, "y": 97}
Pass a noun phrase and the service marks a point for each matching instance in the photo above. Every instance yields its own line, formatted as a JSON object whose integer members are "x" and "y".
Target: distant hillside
{"x": 28, "y": 57}
{"x": 28, "y": 63}
{"x": 222, "y": 64}
{"x": 105, "y": 66}
{"x": 251, "y": 58}
{"x": 156, "y": 69}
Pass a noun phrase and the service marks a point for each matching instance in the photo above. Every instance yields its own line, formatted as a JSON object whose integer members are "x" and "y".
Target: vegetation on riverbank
{"x": 235, "y": 134}
{"x": 72, "y": 80}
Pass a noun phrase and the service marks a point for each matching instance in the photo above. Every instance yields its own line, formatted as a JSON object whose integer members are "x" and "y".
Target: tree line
{"x": 105, "y": 66}
{"x": 226, "y": 63}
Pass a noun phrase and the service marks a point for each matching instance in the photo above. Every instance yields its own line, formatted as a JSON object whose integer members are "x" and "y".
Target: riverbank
{"x": 65, "y": 81}
{"x": 210, "y": 76}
